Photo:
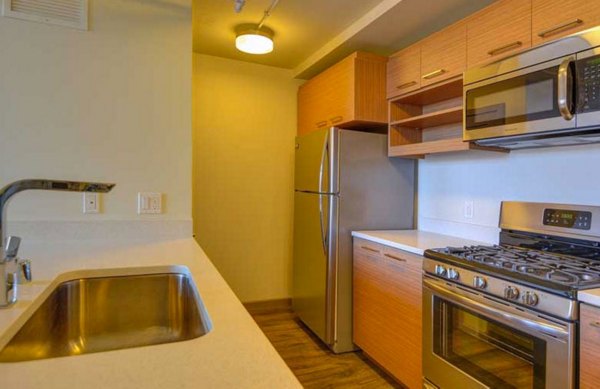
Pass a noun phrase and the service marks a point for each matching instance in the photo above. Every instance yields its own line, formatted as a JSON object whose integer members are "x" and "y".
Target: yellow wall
{"x": 244, "y": 127}
{"x": 109, "y": 104}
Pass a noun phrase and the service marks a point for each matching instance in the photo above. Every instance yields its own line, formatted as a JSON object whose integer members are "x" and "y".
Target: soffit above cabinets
{"x": 311, "y": 35}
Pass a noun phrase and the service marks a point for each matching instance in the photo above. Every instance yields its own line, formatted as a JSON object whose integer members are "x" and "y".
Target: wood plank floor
{"x": 313, "y": 364}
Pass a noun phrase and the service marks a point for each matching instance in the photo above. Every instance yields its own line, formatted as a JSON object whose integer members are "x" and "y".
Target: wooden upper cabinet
{"x": 350, "y": 94}
{"x": 589, "y": 349}
{"x": 498, "y": 30}
{"x": 444, "y": 54}
{"x": 552, "y": 19}
{"x": 404, "y": 71}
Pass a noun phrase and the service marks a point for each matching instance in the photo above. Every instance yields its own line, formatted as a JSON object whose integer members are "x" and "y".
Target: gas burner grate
{"x": 559, "y": 268}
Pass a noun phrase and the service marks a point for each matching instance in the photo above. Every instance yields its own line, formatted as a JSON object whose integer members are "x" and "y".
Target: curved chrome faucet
{"x": 9, "y": 247}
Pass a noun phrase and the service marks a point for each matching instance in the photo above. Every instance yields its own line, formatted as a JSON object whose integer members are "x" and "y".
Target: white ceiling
{"x": 313, "y": 34}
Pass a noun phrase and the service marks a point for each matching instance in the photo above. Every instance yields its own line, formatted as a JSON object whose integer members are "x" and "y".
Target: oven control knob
{"x": 511, "y": 293}
{"x": 440, "y": 270}
{"x": 453, "y": 274}
{"x": 530, "y": 298}
{"x": 479, "y": 282}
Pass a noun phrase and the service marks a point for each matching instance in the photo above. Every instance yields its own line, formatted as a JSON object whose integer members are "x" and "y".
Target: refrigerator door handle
{"x": 322, "y": 215}
{"x": 324, "y": 160}
{"x": 324, "y": 234}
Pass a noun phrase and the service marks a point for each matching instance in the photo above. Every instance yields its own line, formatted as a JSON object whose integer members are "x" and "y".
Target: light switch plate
{"x": 149, "y": 202}
{"x": 91, "y": 202}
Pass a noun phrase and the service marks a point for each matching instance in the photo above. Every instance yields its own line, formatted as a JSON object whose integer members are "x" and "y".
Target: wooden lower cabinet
{"x": 387, "y": 309}
{"x": 589, "y": 347}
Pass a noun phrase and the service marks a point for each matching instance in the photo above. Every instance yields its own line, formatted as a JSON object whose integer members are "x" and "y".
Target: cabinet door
{"x": 444, "y": 54}
{"x": 499, "y": 30}
{"x": 589, "y": 347}
{"x": 387, "y": 309}
{"x": 337, "y": 91}
{"x": 553, "y": 19}
{"x": 311, "y": 106}
{"x": 404, "y": 71}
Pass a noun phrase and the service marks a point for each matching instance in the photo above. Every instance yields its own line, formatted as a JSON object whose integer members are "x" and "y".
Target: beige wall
{"x": 109, "y": 104}
{"x": 244, "y": 129}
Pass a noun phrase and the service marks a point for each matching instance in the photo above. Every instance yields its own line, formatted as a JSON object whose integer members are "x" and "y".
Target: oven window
{"x": 494, "y": 354}
{"x": 524, "y": 98}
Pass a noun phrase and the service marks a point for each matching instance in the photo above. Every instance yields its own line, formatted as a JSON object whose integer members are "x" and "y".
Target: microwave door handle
{"x": 563, "y": 91}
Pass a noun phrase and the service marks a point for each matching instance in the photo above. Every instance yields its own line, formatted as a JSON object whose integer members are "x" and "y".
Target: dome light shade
{"x": 254, "y": 41}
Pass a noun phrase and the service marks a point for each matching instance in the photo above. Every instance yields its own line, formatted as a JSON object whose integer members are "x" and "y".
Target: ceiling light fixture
{"x": 253, "y": 41}
{"x": 256, "y": 39}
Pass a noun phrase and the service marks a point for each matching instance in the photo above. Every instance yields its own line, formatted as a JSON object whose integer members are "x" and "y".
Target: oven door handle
{"x": 507, "y": 318}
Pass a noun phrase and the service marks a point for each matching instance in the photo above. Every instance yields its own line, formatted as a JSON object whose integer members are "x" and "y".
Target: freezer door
{"x": 315, "y": 168}
{"x": 314, "y": 262}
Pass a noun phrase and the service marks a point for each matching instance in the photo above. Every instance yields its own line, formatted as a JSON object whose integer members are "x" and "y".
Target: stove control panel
{"x": 508, "y": 291}
{"x": 452, "y": 274}
{"x": 479, "y": 282}
{"x": 511, "y": 293}
{"x": 530, "y": 298}
{"x": 580, "y": 220}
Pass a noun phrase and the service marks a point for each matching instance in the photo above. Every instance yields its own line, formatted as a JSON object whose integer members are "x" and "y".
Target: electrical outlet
{"x": 468, "y": 209}
{"x": 149, "y": 202}
{"x": 91, "y": 202}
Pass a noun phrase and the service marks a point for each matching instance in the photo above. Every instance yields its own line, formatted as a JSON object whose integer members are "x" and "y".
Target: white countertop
{"x": 414, "y": 241}
{"x": 234, "y": 354}
{"x": 591, "y": 297}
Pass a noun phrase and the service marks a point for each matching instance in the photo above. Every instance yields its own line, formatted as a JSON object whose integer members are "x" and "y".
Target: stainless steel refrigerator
{"x": 344, "y": 181}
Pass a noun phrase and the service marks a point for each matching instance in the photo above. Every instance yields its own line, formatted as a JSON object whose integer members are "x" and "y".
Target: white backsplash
{"x": 561, "y": 175}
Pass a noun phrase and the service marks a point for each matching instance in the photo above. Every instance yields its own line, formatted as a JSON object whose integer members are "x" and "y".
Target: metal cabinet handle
{"x": 336, "y": 119}
{"x": 595, "y": 324}
{"x": 322, "y": 123}
{"x": 395, "y": 257}
{"x": 562, "y": 90}
{"x": 434, "y": 74}
{"x": 406, "y": 85}
{"x": 561, "y": 27}
{"x": 505, "y": 48}
{"x": 370, "y": 249}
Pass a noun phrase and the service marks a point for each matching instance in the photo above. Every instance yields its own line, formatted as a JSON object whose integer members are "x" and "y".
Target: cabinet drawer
{"x": 404, "y": 71}
{"x": 444, "y": 54}
{"x": 589, "y": 351}
{"x": 499, "y": 30}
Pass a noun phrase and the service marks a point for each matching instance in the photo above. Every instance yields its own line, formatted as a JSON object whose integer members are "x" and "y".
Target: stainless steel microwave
{"x": 547, "y": 96}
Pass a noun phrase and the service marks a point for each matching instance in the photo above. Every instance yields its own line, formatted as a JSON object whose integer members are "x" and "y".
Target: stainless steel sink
{"x": 89, "y": 315}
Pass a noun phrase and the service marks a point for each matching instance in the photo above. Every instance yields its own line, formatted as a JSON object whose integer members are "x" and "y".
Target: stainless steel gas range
{"x": 506, "y": 316}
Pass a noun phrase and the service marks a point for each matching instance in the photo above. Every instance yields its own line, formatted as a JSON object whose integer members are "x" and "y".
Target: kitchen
{"x": 153, "y": 96}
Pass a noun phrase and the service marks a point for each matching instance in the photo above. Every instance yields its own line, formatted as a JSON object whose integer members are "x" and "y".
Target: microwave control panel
{"x": 588, "y": 72}
{"x": 580, "y": 220}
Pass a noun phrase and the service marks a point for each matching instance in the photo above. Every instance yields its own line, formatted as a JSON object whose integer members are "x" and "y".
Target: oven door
{"x": 539, "y": 98}
{"x": 476, "y": 341}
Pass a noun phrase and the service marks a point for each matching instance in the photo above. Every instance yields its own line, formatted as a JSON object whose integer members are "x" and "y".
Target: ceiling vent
{"x": 67, "y": 13}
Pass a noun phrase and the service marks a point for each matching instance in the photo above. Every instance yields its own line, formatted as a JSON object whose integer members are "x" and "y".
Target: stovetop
{"x": 572, "y": 271}
{"x": 560, "y": 266}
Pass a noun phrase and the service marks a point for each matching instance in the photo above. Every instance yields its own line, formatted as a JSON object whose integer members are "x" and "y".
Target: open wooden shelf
{"x": 433, "y": 119}
{"x": 421, "y": 149}
{"x": 429, "y": 121}
{"x": 433, "y": 93}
